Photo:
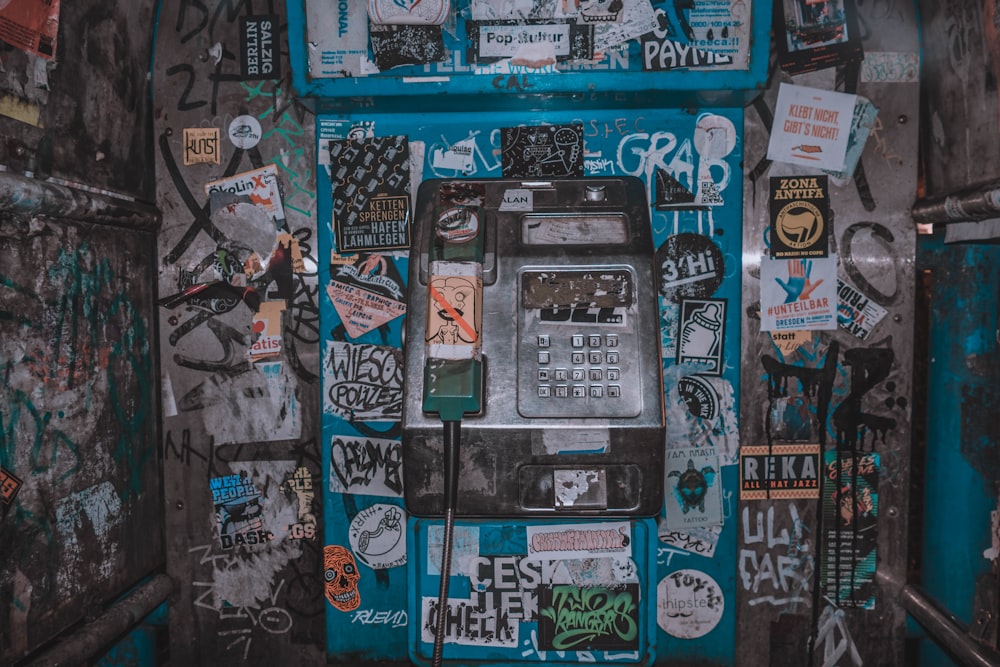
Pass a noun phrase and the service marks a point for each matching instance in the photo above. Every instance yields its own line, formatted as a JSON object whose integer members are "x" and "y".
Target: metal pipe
{"x": 965, "y": 206}
{"x": 24, "y": 196}
{"x": 947, "y": 630}
{"x": 88, "y": 640}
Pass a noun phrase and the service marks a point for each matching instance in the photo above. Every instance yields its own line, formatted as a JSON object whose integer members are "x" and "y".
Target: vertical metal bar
{"x": 88, "y": 640}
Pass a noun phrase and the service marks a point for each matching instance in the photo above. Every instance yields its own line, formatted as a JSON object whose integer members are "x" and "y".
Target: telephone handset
{"x": 532, "y": 318}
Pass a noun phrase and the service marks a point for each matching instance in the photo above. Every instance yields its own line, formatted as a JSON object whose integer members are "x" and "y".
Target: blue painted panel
{"x": 617, "y": 79}
{"x": 700, "y": 150}
{"x": 505, "y": 587}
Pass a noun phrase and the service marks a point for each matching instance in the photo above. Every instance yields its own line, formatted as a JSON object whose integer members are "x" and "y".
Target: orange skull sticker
{"x": 341, "y": 574}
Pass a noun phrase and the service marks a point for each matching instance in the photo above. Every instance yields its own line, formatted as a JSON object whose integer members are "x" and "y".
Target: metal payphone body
{"x": 573, "y": 417}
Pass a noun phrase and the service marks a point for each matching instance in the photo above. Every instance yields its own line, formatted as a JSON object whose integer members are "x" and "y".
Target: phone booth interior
{"x": 606, "y": 189}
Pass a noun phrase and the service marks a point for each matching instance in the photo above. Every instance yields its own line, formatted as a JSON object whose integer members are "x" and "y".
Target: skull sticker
{"x": 341, "y": 574}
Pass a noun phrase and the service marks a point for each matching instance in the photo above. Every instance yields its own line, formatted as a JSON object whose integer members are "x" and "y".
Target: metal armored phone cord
{"x": 452, "y": 440}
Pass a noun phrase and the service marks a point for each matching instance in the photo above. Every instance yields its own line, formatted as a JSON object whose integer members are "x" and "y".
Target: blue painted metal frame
{"x": 617, "y": 142}
{"x": 410, "y": 89}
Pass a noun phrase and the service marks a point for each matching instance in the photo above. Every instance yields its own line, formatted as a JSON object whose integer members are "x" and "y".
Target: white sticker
{"x": 579, "y": 540}
{"x": 378, "y": 536}
{"x": 517, "y": 199}
{"x": 689, "y": 604}
{"x": 245, "y": 132}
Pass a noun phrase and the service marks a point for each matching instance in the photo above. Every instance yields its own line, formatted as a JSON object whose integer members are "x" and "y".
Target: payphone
{"x": 532, "y": 319}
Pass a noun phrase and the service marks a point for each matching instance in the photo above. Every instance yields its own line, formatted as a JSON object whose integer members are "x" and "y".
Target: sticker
{"x": 563, "y": 39}
{"x": 245, "y": 132}
{"x": 366, "y": 293}
{"x": 800, "y": 214}
{"x": 660, "y": 53}
{"x": 259, "y": 57}
{"x": 31, "y": 26}
{"x": 816, "y": 34}
{"x": 856, "y": 313}
{"x": 10, "y": 485}
{"x": 811, "y": 127}
{"x": 338, "y": 38}
{"x": 363, "y": 382}
{"x": 582, "y": 489}
{"x": 454, "y": 310}
{"x": 798, "y": 294}
{"x": 864, "y": 120}
{"x": 518, "y": 199}
{"x": 693, "y": 498}
{"x": 489, "y": 627}
{"x": 401, "y": 45}
{"x": 688, "y": 266}
{"x": 671, "y": 193}
{"x": 637, "y": 19}
{"x": 266, "y": 329}
{"x": 850, "y": 522}
{"x": 579, "y": 540}
{"x": 542, "y": 151}
{"x": 788, "y": 342}
{"x": 689, "y": 604}
{"x": 779, "y": 471}
{"x": 201, "y": 145}
{"x": 465, "y": 559}
{"x": 300, "y": 484}
{"x": 701, "y": 541}
{"x": 366, "y": 466}
{"x": 371, "y": 193}
{"x": 341, "y": 577}
{"x": 426, "y": 12}
{"x": 378, "y": 536}
{"x": 700, "y": 397}
{"x": 890, "y": 67}
{"x": 702, "y": 332}
{"x": 238, "y": 511}
{"x": 588, "y": 618}
{"x": 258, "y": 186}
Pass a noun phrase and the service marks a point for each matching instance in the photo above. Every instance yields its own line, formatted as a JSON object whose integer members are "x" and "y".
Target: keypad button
{"x": 614, "y": 391}
{"x": 561, "y": 375}
{"x": 611, "y": 340}
{"x": 596, "y": 357}
{"x": 579, "y": 391}
{"x": 577, "y": 340}
{"x": 544, "y": 391}
{"x": 543, "y": 340}
{"x": 596, "y": 374}
{"x": 543, "y": 374}
{"x": 578, "y": 358}
{"x": 562, "y": 391}
{"x": 596, "y": 391}
{"x": 579, "y": 374}
{"x": 613, "y": 374}
{"x": 612, "y": 357}
{"x": 594, "y": 340}
{"x": 543, "y": 357}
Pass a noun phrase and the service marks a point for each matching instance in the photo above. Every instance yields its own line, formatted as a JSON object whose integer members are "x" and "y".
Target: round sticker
{"x": 378, "y": 536}
{"x": 689, "y": 604}
{"x": 700, "y": 397}
{"x": 244, "y": 132}
{"x": 457, "y": 224}
{"x": 688, "y": 266}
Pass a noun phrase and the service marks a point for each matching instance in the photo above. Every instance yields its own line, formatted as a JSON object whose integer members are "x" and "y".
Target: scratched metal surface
{"x": 258, "y": 603}
{"x": 76, "y": 424}
{"x": 783, "y": 616}
{"x": 77, "y": 395}
{"x": 961, "y": 67}
{"x": 90, "y": 124}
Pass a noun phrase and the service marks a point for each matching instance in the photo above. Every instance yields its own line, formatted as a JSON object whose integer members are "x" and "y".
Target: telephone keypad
{"x": 592, "y": 370}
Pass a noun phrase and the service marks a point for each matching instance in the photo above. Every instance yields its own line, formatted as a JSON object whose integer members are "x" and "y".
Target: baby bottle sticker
{"x": 702, "y": 331}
